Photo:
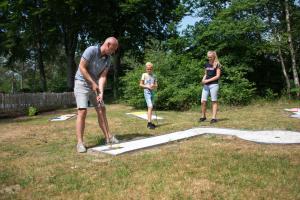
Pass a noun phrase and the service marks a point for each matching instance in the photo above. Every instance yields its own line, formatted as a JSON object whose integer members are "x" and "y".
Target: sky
{"x": 187, "y": 20}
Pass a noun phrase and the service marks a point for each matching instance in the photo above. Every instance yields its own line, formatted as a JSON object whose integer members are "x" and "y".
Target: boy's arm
{"x": 155, "y": 85}
{"x": 142, "y": 85}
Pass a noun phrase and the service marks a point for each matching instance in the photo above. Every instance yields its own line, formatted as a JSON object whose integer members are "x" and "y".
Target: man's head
{"x": 109, "y": 46}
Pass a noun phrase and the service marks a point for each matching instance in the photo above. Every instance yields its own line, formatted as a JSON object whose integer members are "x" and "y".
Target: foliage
{"x": 235, "y": 89}
{"x": 248, "y": 32}
{"x": 38, "y": 30}
{"x": 270, "y": 95}
{"x": 179, "y": 79}
{"x": 32, "y": 111}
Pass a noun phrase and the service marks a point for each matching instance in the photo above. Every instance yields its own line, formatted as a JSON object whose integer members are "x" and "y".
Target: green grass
{"x": 39, "y": 157}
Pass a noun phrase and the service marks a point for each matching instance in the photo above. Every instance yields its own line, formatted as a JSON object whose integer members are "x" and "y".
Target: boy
{"x": 149, "y": 83}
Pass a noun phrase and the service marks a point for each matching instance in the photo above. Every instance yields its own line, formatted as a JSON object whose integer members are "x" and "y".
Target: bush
{"x": 32, "y": 111}
{"x": 179, "y": 79}
{"x": 270, "y": 95}
{"x": 234, "y": 88}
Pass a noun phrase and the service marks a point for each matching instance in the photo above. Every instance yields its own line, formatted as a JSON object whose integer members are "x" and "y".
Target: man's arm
{"x": 102, "y": 82}
{"x": 83, "y": 65}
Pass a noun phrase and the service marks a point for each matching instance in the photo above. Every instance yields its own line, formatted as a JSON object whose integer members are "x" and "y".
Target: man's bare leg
{"x": 80, "y": 124}
{"x": 102, "y": 120}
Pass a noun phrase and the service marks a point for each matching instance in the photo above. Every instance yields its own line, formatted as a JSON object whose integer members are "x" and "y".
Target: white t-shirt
{"x": 149, "y": 79}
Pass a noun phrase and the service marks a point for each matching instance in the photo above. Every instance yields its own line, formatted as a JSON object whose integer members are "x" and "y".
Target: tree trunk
{"x": 41, "y": 68}
{"x": 291, "y": 47}
{"x": 39, "y": 49}
{"x": 70, "y": 42}
{"x": 22, "y": 76}
{"x": 116, "y": 66}
{"x": 71, "y": 67}
{"x": 281, "y": 60}
{"x": 287, "y": 80}
{"x": 13, "y": 83}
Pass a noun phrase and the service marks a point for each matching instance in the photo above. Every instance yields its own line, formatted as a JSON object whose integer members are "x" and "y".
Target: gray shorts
{"x": 211, "y": 89}
{"x": 84, "y": 94}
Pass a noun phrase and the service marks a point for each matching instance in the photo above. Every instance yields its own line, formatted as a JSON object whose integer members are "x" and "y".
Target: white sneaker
{"x": 81, "y": 148}
{"x": 113, "y": 140}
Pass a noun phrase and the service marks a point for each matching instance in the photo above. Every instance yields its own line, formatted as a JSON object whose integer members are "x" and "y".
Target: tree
{"x": 134, "y": 22}
{"x": 28, "y": 33}
{"x": 291, "y": 47}
{"x": 243, "y": 30}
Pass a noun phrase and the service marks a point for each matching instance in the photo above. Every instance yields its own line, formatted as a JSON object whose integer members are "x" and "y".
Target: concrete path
{"x": 267, "y": 137}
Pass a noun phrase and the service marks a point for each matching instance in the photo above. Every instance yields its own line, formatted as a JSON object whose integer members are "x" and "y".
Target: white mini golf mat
{"x": 268, "y": 137}
{"x": 143, "y": 115}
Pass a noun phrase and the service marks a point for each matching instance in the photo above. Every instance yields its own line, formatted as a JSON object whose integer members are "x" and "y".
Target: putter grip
{"x": 100, "y": 104}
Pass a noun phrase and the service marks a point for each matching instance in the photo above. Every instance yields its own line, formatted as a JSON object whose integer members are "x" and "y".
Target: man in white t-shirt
{"x": 149, "y": 83}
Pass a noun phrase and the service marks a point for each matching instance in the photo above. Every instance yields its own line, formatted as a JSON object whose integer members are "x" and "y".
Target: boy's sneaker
{"x": 213, "y": 121}
{"x": 150, "y": 125}
{"x": 202, "y": 119}
{"x": 153, "y": 125}
{"x": 81, "y": 148}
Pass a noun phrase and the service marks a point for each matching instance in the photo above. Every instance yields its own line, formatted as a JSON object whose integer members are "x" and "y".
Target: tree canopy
{"x": 257, "y": 43}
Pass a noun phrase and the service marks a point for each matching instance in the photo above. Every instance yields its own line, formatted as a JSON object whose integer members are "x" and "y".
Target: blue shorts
{"x": 211, "y": 89}
{"x": 149, "y": 97}
{"x": 84, "y": 94}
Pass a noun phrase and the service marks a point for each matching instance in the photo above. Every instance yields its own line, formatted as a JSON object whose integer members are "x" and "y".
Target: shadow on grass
{"x": 207, "y": 121}
{"x": 122, "y": 138}
{"x": 161, "y": 124}
{"x": 14, "y": 120}
{"x": 223, "y": 119}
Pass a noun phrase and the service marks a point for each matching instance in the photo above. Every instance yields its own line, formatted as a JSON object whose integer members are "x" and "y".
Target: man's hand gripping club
{"x": 99, "y": 97}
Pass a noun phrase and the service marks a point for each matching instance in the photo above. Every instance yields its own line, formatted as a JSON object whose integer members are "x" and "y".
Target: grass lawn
{"x": 38, "y": 159}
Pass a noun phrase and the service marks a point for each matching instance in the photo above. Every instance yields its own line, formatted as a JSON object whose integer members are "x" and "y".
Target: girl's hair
{"x": 149, "y": 63}
{"x": 216, "y": 60}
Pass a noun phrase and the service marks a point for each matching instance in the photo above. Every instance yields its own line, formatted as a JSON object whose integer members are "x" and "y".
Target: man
{"x": 90, "y": 80}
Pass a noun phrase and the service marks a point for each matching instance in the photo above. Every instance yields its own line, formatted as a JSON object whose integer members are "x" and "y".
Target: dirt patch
{"x": 12, "y": 189}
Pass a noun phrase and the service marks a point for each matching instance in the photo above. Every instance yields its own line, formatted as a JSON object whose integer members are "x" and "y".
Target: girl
{"x": 211, "y": 86}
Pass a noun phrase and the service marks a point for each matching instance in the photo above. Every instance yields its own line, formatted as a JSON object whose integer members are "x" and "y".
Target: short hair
{"x": 149, "y": 63}
{"x": 112, "y": 40}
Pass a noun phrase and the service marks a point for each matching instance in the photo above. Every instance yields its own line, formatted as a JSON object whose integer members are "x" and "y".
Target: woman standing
{"x": 211, "y": 86}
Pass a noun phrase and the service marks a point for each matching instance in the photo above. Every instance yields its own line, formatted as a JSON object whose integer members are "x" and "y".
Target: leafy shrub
{"x": 179, "y": 79}
{"x": 270, "y": 95}
{"x": 32, "y": 111}
{"x": 234, "y": 88}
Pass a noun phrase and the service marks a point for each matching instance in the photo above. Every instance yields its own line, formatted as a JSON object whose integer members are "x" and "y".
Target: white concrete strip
{"x": 292, "y": 109}
{"x": 62, "y": 117}
{"x": 296, "y": 114}
{"x": 269, "y": 137}
{"x": 143, "y": 115}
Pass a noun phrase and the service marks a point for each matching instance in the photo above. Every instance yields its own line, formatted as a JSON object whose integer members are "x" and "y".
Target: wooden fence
{"x": 15, "y": 104}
